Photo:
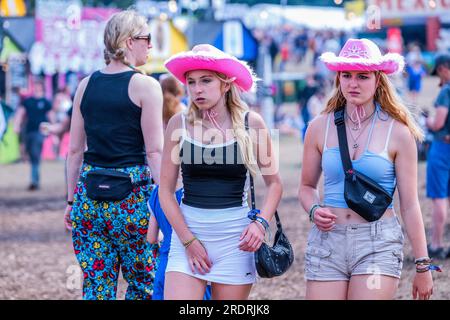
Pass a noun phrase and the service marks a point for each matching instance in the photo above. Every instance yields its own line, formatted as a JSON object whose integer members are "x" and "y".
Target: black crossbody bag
{"x": 110, "y": 185}
{"x": 276, "y": 260}
{"x": 362, "y": 194}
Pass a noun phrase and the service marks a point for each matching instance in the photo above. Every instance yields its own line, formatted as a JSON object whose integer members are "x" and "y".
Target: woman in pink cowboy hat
{"x": 348, "y": 257}
{"x": 214, "y": 240}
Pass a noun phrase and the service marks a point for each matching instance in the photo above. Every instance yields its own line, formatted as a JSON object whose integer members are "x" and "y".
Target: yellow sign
{"x": 12, "y": 8}
{"x": 354, "y": 8}
{"x": 167, "y": 40}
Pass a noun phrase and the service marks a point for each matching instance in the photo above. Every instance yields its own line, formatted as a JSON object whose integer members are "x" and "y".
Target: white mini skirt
{"x": 219, "y": 230}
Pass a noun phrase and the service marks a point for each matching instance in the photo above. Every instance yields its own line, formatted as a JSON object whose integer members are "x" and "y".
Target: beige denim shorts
{"x": 373, "y": 248}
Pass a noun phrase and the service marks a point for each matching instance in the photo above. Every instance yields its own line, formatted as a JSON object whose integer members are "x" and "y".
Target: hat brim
{"x": 180, "y": 64}
{"x": 390, "y": 63}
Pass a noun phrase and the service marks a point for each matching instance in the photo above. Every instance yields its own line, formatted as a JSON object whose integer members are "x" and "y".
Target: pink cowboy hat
{"x": 363, "y": 55}
{"x": 207, "y": 57}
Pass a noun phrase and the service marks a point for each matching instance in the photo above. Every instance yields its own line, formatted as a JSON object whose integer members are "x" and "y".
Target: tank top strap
{"x": 369, "y": 137}
{"x": 388, "y": 138}
{"x": 326, "y": 133}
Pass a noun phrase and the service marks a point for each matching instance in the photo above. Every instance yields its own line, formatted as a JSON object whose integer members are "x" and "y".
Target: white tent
{"x": 264, "y": 15}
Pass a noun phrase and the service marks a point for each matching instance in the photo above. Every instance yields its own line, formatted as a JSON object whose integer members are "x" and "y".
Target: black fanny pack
{"x": 361, "y": 193}
{"x": 110, "y": 185}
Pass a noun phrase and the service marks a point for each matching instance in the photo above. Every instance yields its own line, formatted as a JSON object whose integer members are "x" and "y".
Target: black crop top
{"x": 214, "y": 176}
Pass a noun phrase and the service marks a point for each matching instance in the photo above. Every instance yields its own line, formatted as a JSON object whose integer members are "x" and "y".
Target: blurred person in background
{"x": 34, "y": 110}
{"x": 117, "y": 113}
{"x": 438, "y": 164}
{"x": 62, "y": 103}
{"x": 415, "y": 72}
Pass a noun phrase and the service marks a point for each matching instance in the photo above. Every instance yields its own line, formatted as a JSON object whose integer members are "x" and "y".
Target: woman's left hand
{"x": 252, "y": 237}
{"x": 67, "y": 219}
{"x": 422, "y": 286}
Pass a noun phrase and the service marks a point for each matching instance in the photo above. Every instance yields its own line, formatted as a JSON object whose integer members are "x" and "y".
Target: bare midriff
{"x": 348, "y": 216}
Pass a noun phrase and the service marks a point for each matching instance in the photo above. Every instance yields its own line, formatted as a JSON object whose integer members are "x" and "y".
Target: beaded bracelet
{"x": 424, "y": 264}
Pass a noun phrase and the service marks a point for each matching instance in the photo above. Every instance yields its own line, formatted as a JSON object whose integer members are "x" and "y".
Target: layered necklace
{"x": 358, "y": 125}
{"x": 355, "y": 117}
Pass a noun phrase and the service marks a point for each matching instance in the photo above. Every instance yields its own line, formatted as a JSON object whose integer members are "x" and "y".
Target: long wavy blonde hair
{"x": 119, "y": 28}
{"x": 237, "y": 109}
{"x": 388, "y": 99}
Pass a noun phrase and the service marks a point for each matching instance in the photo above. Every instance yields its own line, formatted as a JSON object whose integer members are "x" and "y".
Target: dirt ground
{"x": 37, "y": 259}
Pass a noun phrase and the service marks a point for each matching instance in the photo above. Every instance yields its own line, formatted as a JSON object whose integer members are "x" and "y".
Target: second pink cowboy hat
{"x": 207, "y": 57}
{"x": 363, "y": 55}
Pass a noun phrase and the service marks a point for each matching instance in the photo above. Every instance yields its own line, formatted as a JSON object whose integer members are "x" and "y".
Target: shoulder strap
{"x": 339, "y": 121}
{"x": 252, "y": 185}
{"x": 388, "y": 138}
{"x": 369, "y": 137}
{"x": 326, "y": 133}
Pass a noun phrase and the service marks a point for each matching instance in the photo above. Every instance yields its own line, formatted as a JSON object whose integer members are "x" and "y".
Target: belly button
{"x": 348, "y": 216}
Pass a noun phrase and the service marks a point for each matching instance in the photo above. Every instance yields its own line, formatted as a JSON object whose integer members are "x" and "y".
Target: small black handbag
{"x": 110, "y": 185}
{"x": 276, "y": 260}
{"x": 362, "y": 194}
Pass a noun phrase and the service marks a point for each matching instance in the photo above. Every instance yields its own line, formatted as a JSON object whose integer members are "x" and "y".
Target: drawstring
{"x": 358, "y": 113}
{"x": 212, "y": 115}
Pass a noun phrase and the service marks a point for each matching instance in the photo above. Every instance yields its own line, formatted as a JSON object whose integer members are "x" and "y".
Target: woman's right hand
{"x": 198, "y": 257}
{"x": 324, "y": 219}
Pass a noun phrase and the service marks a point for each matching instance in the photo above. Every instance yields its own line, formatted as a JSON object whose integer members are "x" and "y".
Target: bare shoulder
{"x": 255, "y": 120}
{"x": 401, "y": 133}
{"x": 318, "y": 125}
{"x": 80, "y": 90}
{"x": 145, "y": 82}
{"x": 175, "y": 123}
{"x": 83, "y": 84}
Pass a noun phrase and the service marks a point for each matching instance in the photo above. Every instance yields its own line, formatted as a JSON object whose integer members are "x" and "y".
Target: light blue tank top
{"x": 377, "y": 166}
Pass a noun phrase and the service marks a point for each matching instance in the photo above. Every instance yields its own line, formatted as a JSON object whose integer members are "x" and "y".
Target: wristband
{"x": 422, "y": 260}
{"x": 312, "y": 211}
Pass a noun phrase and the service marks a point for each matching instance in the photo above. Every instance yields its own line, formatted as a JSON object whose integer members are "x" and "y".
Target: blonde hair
{"x": 388, "y": 99}
{"x": 237, "y": 109}
{"x": 119, "y": 28}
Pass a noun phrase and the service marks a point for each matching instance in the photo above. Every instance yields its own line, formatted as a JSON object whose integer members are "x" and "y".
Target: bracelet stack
{"x": 312, "y": 211}
{"x": 424, "y": 265}
{"x": 186, "y": 244}
{"x": 254, "y": 216}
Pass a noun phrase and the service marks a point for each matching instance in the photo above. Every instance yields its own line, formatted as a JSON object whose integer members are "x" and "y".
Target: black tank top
{"x": 112, "y": 122}
{"x": 214, "y": 177}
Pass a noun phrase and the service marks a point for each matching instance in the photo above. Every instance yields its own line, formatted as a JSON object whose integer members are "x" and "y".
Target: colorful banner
{"x": 68, "y": 37}
{"x": 409, "y": 8}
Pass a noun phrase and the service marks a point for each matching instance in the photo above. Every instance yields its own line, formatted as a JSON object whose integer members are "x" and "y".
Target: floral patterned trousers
{"x": 108, "y": 236}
